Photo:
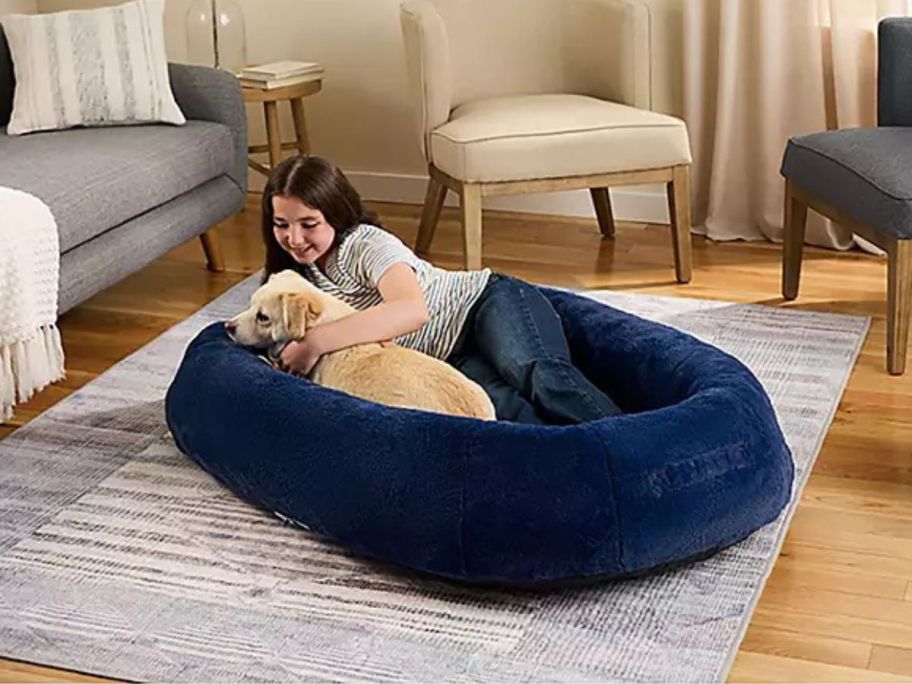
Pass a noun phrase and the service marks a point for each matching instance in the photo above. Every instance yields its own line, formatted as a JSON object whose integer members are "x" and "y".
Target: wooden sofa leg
{"x": 601, "y": 199}
{"x": 433, "y": 203}
{"x": 470, "y": 196}
{"x": 794, "y": 220}
{"x": 899, "y": 304}
{"x": 679, "y": 210}
{"x": 215, "y": 262}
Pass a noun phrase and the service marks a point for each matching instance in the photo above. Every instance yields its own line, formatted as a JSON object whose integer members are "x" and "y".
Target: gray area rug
{"x": 120, "y": 557}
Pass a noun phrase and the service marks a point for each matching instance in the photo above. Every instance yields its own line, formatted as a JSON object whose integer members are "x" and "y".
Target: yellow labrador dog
{"x": 288, "y": 305}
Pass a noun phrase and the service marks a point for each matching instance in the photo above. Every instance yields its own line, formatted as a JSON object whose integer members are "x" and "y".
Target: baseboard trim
{"x": 647, "y": 203}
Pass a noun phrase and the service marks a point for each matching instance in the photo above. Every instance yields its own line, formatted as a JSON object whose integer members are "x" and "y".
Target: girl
{"x": 499, "y": 331}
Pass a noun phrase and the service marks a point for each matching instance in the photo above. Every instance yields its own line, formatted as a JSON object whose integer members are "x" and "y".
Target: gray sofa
{"x": 123, "y": 196}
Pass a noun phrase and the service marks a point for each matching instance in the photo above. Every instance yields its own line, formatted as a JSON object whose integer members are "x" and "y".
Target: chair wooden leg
{"x": 601, "y": 199}
{"x": 300, "y": 125}
{"x": 794, "y": 220}
{"x": 899, "y": 304}
{"x": 678, "y": 190}
{"x": 470, "y": 197}
{"x": 273, "y": 134}
{"x": 213, "y": 250}
{"x": 433, "y": 203}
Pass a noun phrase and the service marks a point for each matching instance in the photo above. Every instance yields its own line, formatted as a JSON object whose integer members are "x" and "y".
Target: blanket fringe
{"x": 28, "y": 366}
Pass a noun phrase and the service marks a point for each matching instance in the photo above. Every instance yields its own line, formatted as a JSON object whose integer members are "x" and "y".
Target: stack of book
{"x": 279, "y": 74}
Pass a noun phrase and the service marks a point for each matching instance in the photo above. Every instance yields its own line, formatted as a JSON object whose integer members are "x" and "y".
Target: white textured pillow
{"x": 97, "y": 67}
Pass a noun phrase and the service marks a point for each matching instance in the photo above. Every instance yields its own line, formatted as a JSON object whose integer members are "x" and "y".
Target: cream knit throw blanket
{"x": 31, "y": 355}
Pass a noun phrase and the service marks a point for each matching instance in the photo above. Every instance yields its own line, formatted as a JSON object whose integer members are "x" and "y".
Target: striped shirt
{"x": 355, "y": 267}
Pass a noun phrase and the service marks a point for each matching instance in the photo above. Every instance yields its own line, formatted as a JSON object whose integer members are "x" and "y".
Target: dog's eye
{"x": 261, "y": 317}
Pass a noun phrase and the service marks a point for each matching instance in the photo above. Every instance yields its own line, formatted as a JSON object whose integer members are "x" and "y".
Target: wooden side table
{"x": 295, "y": 95}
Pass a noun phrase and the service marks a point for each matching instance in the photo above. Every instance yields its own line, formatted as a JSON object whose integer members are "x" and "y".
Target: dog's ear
{"x": 299, "y": 312}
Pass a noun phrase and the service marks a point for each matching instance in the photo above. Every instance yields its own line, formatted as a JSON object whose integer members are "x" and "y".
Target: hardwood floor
{"x": 838, "y": 606}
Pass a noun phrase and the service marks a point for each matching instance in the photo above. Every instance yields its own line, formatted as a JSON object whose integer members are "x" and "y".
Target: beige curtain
{"x": 758, "y": 72}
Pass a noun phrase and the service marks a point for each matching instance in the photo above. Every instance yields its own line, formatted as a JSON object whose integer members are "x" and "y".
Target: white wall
{"x": 362, "y": 120}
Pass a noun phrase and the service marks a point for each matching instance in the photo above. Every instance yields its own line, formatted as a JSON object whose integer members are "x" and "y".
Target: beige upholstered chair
{"x": 519, "y": 96}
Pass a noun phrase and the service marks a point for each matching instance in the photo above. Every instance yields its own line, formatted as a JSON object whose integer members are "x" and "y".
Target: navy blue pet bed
{"x": 696, "y": 464}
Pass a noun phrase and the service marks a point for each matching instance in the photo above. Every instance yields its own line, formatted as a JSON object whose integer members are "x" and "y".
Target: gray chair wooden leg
{"x": 794, "y": 221}
{"x": 899, "y": 304}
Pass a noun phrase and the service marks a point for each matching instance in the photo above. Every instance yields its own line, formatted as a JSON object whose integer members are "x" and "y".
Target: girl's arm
{"x": 402, "y": 311}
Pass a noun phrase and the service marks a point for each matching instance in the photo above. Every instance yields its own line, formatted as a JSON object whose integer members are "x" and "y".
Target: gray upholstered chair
{"x": 519, "y": 96}
{"x": 862, "y": 178}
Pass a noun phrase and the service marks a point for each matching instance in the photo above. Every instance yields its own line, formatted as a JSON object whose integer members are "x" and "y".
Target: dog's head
{"x": 281, "y": 310}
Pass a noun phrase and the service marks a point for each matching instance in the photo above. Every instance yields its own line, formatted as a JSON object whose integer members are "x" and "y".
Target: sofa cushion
{"x": 862, "y": 172}
{"x": 96, "y": 178}
{"x": 99, "y": 263}
{"x": 554, "y": 136}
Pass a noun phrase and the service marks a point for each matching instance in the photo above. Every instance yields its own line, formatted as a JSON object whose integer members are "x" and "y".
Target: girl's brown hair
{"x": 320, "y": 185}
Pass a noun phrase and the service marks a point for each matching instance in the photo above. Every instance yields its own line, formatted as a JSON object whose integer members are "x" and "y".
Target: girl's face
{"x": 300, "y": 230}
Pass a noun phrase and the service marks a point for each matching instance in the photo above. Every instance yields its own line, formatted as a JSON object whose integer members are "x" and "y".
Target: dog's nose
{"x": 230, "y": 326}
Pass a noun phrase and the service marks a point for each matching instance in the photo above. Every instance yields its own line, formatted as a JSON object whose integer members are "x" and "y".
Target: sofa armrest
{"x": 894, "y": 72}
{"x": 611, "y": 55}
{"x": 214, "y": 95}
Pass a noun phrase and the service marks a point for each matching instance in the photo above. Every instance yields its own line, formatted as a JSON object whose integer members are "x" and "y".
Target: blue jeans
{"x": 513, "y": 345}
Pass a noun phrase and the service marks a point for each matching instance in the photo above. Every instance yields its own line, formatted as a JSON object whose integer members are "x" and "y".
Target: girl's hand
{"x": 300, "y": 358}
